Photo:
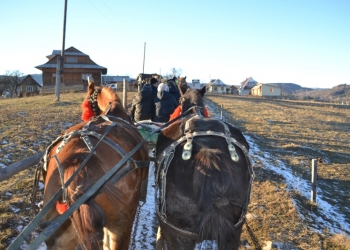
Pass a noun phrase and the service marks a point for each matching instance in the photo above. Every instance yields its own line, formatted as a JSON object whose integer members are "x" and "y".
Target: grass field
{"x": 291, "y": 133}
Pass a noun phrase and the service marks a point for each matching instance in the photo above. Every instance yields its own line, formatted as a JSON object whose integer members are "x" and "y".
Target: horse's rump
{"x": 205, "y": 194}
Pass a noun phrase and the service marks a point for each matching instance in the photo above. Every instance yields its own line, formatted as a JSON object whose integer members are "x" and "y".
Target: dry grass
{"x": 28, "y": 126}
{"x": 293, "y": 132}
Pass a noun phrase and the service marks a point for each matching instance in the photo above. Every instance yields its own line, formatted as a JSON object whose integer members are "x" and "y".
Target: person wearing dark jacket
{"x": 154, "y": 85}
{"x": 174, "y": 90}
{"x": 142, "y": 107}
{"x": 165, "y": 104}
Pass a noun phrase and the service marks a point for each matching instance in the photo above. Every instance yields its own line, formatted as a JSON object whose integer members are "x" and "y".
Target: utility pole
{"x": 144, "y": 55}
{"x": 60, "y": 59}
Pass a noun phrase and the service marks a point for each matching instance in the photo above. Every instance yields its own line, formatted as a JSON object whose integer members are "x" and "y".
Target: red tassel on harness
{"x": 178, "y": 110}
{"x": 206, "y": 113}
{"x": 61, "y": 207}
{"x": 176, "y": 113}
{"x": 87, "y": 111}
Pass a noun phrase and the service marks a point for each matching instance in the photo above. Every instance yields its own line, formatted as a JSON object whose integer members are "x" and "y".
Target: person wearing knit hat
{"x": 163, "y": 87}
{"x": 164, "y": 103}
{"x": 142, "y": 107}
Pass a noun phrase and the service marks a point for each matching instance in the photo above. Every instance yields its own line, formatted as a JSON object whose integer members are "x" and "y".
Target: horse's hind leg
{"x": 166, "y": 240}
{"x": 160, "y": 243}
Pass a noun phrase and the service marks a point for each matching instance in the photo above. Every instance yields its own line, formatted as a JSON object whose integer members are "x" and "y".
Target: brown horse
{"x": 204, "y": 178}
{"x": 182, "y": 84}
{"x": 104, "y": 220}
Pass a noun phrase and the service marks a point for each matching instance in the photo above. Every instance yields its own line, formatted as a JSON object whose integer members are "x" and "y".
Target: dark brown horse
{"x": 106, "y": 219}
{"x": 204, "y": 178}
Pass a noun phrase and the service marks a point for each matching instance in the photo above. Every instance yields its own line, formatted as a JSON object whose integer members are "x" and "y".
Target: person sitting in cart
{"x": 142, "y": 107}
{"x": 165, "y": 104}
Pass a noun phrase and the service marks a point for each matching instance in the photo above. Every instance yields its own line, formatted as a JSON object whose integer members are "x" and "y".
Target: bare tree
{"x": 2, "y": 84}
{"x": 12, "y": 81}
{"x": 173, "y": 72}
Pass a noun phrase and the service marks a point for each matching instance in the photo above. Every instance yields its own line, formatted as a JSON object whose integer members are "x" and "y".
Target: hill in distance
{"x": 339, "y": 93}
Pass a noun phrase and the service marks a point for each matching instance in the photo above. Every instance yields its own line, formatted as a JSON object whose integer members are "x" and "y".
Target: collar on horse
{"x": 167, "y": 156}
{"x": 93, "y": 102}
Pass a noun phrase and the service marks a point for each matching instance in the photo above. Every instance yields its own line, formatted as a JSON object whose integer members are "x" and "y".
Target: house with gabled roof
{"x": 77, "y": 67}
{"x": 29, "y": 85}
{"x": 217, "y": 86}
{"x": 266, "y": 90}
{"x": 247, "y": 85}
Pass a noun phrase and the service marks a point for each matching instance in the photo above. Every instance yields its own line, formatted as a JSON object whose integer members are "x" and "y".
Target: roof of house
{"x": 36, "y": 78}
{"x": 216, "y": 82}
{"x": 266, "y": 84}
{"x": 115, "y": 78}
{"x": 71, "y": 51}
{"x": 246, "y": 81}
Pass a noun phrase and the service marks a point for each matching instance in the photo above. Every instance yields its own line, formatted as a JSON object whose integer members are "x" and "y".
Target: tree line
{"x": 10, "y": 83}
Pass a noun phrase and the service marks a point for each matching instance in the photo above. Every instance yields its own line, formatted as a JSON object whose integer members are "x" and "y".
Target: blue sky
{"x": 297, "y": 41}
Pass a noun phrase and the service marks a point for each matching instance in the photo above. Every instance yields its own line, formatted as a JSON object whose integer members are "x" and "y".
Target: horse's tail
{"x": 89, "y": 219}
{"x": 214, "y": 187}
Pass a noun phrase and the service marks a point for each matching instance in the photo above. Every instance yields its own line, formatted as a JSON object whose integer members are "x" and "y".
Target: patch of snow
{"x": 14, "y": 209}
{"x": 41, "y": 185}
{"x": 336, "y": 221}
{"x": 3, "y": 165}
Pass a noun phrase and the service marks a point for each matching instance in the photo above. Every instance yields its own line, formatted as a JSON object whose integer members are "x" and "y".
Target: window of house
{"x": 54, "y": 78}
{"x": 84, "y": 78}
{"x": 29, "y": 89}
{"x": 71, "y": 59}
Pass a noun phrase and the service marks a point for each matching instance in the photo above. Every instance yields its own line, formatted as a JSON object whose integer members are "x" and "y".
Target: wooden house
{"x": 77, "y": 67}
{"x": 217, "y": 86}
{"x": 233, "y": 90}
{"x": 266, "y": 90}
{"x": 247, "y": 85}
{"x": 28, "y": 86}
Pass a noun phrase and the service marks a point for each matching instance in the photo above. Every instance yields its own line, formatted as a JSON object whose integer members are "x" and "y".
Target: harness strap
{"x": 61, "y": 172}
{"x": 38, "y": 172}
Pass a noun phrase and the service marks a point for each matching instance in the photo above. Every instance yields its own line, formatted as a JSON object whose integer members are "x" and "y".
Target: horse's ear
{"x": 91, "y": 86}
{"x": 185, "y": 77}
{"x": 202, "y": 91}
